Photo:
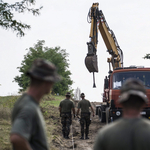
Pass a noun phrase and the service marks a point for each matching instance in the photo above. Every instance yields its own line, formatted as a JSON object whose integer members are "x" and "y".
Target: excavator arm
{"x": 98, "y": 22}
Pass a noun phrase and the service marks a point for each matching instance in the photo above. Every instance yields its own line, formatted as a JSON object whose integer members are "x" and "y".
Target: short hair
{"x": 133, "y": 102}
{"x": 35, "y": 81}
{"x": 68, "y": 96}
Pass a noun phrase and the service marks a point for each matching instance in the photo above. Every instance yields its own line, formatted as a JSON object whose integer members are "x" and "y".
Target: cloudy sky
{"x": 64, "y": 23}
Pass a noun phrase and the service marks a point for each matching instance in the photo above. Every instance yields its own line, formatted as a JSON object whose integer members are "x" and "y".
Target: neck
{"x": 131, "y": 113}
{"x": 35, "y": 93}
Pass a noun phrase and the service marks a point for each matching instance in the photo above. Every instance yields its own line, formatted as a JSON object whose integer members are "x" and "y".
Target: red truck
{"x": 109, "y": 109}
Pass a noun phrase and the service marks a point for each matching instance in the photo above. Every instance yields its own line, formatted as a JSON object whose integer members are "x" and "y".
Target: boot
{"x": 86, "y": 137}
{"x": 82, "y": 136}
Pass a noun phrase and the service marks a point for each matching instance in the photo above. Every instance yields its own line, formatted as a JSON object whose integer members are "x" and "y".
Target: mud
{"x": 75, "y": 142}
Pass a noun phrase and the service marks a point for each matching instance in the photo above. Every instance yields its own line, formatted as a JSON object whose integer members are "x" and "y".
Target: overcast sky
{"x": 64, "y": 23}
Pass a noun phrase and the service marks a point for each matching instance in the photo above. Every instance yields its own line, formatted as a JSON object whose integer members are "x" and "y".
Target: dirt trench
{"x": 75, "y": 142}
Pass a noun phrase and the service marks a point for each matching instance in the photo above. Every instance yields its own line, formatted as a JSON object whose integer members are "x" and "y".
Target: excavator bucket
{"x": 91, "y": 63}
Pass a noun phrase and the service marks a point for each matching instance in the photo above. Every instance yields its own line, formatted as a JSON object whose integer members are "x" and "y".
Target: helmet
{"x": 135, "y": 87}
{"x": 43, "y": 70}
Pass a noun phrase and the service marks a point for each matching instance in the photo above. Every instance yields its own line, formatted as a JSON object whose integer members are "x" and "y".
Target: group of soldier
{"x": 65, "y": 108}
{"x": 131, "y": 132}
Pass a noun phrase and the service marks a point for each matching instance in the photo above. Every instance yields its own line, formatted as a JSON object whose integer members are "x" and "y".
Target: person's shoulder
{"x": 110, "y": 127}
{"x": 87, "y": 100}
{"x": 71, "y": 101}
{"x": 25, "y": 100}
{"x": 145, "y": 121}
{"x": 62, "y": 100}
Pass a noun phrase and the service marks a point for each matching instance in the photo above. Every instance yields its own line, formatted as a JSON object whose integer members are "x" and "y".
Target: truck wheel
{"x": 101, "y": 114}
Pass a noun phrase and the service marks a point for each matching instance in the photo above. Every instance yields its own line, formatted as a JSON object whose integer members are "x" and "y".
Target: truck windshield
{"x": 121, "y": 77}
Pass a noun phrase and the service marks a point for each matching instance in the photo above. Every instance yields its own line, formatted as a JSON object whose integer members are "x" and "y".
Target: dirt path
{"x": 78, "y": 143}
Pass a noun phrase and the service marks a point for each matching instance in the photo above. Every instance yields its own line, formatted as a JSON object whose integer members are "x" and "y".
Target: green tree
{"x": 7, "y": 20}
{"x": 55, "y": 55}
{"x": 147, "y": 56}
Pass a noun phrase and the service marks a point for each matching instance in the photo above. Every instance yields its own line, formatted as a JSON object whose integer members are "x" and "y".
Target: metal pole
{"x": 94, "y": 85}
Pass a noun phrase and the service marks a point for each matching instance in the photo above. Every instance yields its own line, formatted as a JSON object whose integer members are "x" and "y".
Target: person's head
{"x": 68, "y": 95}
{"x": 43, "y": 74}
{"x": 82, "y": 95}
{"x": 133, "y": 95}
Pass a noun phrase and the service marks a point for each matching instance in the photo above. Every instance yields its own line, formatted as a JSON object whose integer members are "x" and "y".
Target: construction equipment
{"x": 109, "y": 109}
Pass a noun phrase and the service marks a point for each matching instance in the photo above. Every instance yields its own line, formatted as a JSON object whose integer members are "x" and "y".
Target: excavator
{"x": 109, "y": 109}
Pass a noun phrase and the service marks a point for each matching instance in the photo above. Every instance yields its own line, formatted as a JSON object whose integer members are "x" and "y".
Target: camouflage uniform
{"x": 66, "y": 120}
{"x": 66, "y": 117}
{"x": 85, "y": 115}
{"x": 85, "y": 118}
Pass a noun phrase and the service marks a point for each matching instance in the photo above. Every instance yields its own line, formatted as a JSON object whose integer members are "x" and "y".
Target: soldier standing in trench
{"x": 28, "y": 126}
{"x": 131, "y": 132}
{"x": 85, "y": 115}
{"x": 65, "y": 108}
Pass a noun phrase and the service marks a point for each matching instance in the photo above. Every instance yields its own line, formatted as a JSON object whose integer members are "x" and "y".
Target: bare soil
{"x": 75, "y": 142}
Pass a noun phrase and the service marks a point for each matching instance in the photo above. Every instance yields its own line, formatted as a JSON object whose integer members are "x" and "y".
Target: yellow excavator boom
{"x": 98, "y": 22}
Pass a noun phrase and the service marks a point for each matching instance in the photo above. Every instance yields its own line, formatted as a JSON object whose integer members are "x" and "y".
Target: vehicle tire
{"x": 101, "y": 114}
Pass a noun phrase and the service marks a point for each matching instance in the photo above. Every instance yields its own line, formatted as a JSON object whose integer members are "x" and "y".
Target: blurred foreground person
{"x": 65, "y": 108}
{"x": 85, "y": 115}
{"x": 28, "y": 126}
{"x": 131, "y": 132}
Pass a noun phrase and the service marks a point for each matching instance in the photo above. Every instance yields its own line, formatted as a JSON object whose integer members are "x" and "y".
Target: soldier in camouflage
{"x": 65, "y": 108}
{"x": 85, "y": 115}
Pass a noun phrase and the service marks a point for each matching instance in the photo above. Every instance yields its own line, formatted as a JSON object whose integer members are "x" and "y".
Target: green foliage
{"x": 7, "y": 20}
{"x": 55, "y": 55}
{"x": 147, "y": 56}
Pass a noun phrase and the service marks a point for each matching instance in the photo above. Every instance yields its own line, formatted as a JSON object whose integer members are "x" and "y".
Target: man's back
{"x": 124, "y": 134}
{"x": 84, "y": 105}
{"x": 28, "y": 122}
{"x": 66, "y": 105}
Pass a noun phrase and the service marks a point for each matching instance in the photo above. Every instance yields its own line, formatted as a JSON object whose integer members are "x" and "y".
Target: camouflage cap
{"x": 82, "y": 94}
{"x": 133, "y": 87}
{"x": 43, "y": 70}
{"x": 68, "y": 94}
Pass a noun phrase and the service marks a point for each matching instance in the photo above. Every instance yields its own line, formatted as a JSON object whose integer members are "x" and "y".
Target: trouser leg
{"x": 63, "y": 122}
{"x": 82, "y": 126}
{"x": 68, "y": 123}
{"x": 87, "y": 120}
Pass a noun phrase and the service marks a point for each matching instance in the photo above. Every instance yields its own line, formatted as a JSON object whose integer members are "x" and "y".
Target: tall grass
{"x": 6, "y": 105}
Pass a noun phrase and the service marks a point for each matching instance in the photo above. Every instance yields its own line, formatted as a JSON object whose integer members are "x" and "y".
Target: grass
{"x": 6, "y": 105}
{"x": 49, "y": 107}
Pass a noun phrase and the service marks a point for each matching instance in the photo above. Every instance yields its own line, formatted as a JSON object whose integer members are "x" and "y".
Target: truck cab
{"x": 110, "y": 109}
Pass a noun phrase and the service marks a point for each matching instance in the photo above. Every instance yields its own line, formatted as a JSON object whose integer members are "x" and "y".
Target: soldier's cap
{"x": 132, "y": 87}
{"x": 43, "y": 70}
{"x": 68, "y": 94}
{"x": 82, "y": 94}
